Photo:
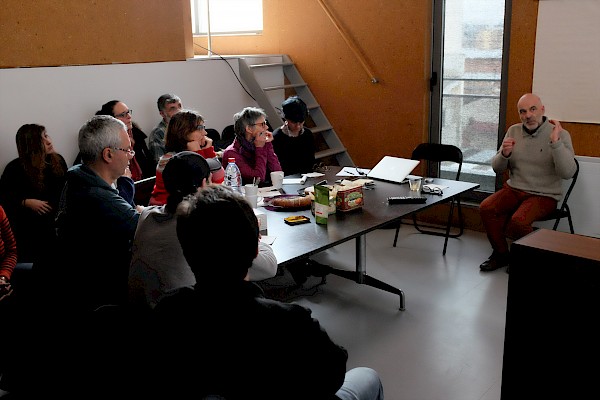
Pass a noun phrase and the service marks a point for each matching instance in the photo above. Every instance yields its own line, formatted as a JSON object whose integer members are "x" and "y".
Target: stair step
{"x": 319, "y": 129}
{"x": 281, "y": 64}
{"x": 292, "y": 83}
{"x": 293, "y": 86}
{"x": 329, "y": 152}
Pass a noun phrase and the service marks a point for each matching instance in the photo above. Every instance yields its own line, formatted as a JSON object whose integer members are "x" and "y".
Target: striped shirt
{"x": 8, "y": 247}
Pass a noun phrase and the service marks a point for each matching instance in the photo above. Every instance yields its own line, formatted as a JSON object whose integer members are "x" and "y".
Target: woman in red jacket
{"x": 185, "y": 132}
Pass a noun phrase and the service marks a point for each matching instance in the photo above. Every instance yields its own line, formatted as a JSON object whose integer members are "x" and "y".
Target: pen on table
{"x": 323, "y": 182}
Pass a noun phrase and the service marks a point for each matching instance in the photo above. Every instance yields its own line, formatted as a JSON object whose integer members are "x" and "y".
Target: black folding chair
{"x": 563, "y": 211}
{"x": 435, "y": 152}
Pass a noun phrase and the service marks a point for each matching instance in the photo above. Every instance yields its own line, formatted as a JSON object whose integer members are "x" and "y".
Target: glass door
{"x": 468, "y": 84}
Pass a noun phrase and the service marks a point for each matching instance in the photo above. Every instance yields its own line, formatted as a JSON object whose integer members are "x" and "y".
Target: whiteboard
{"x": 584, "y": 201}
{"x": 567, "y": 59}
{"x": 63, "y": 98}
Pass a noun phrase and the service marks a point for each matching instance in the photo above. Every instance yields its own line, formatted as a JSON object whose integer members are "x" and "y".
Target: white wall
{"x": 63, "y": 98}
{"x": 567, "y": 59}
{"x": 584, "y": 201}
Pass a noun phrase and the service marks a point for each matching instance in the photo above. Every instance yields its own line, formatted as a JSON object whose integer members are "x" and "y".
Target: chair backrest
{"x": 143, "y": 190}
{"x": 437, "y": 152}
{"x": 564, "y": 205}
{"x": 562, "y": 210}
{"x": 227, "y": 136}
{"x": 213, "y": 134}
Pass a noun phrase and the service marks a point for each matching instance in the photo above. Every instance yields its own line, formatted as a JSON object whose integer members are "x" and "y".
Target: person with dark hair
{"x": 30, "y": 189}
{"x": 168, "y": 104}
{"x": 227, "y": 325}
{"x": 186, "y": 132}
{"x": 293, "y": 143}
{"x": 142, "y": 165}
{"x": 252, "y": 147}
{"x": 158, "y": 268}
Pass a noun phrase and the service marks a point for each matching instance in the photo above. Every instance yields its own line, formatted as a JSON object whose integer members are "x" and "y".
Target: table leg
{"x": 360, "y": 275}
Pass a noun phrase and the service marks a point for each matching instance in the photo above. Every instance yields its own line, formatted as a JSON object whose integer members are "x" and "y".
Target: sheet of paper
{"x": 314, "y": 175}
{"x": 295, "y": 181}
{"x": 353, "y": 171}
{"x": 356, "y": 182}
{"x": 268, "y": 191}
{"x": 268, "y": 239}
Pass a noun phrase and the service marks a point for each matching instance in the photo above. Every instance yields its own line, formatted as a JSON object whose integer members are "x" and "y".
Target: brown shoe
{"x": 494, "y": 262}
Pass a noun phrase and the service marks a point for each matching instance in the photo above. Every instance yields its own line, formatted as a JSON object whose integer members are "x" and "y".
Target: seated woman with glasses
{"x": 142, "y": 163}
{"x": 185, "y": 132}
{"x": 252, "y": 147}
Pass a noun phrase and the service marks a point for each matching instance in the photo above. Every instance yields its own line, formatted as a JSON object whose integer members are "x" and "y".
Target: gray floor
{"x": 447, "y": 344}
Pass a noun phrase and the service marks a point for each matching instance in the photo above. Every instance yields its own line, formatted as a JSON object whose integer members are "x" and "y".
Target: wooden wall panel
{"x": 389, "y": 117}
{"x": 72, "y": 32}
{"x": 372, "y": 119}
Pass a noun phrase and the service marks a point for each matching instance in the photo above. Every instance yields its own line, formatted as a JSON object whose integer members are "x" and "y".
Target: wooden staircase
{"x": 271, "y": 79}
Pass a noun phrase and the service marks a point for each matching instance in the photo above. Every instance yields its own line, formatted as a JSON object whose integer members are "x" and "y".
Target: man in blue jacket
{"x": 95, "y": 225}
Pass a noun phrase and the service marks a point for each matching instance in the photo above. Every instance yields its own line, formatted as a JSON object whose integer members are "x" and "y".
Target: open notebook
{"x": 393, "y": 169}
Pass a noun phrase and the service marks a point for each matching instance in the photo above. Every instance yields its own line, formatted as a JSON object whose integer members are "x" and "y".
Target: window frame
{"x": 216, "y": 9}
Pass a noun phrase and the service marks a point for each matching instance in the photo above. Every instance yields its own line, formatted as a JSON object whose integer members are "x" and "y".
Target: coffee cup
{"x": 277, "y": 179}
{"x": 254, "y": 200}
{"x": 251, "y": 194}
{"x": 250, "y": 190}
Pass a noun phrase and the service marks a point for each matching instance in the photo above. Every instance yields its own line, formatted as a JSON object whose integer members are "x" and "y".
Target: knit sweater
{"x": 253, "y": 162}
{"x": 535, "y": 165}
{"x": 8, "y": 247}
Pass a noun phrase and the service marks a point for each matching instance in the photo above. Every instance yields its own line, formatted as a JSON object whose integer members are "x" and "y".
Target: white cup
{"x": 414, "y": 184}
{"x": 253, "y": 200}
{"x": 250, "y": 190}
{"x": 277, "y": 179}
{"x": 251, "y": 194}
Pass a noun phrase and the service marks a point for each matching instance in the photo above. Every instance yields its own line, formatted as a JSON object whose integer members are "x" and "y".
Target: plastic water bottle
{"x": 233, "y": 176}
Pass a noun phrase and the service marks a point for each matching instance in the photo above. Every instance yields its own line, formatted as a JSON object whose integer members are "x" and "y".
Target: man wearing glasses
{"x": 95, "y": 225}
{"x": 252, "y": 147}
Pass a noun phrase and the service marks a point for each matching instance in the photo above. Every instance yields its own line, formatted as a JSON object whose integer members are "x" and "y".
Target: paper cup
{"x": 277, "y": 179}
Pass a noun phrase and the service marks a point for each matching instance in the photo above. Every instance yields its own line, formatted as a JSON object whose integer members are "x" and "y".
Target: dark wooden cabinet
{"x": 552, "y": 338}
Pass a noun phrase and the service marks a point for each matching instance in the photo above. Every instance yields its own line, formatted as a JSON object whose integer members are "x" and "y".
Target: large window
{"x": 227, "y": 17}
{"x": 469, "y": 41}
